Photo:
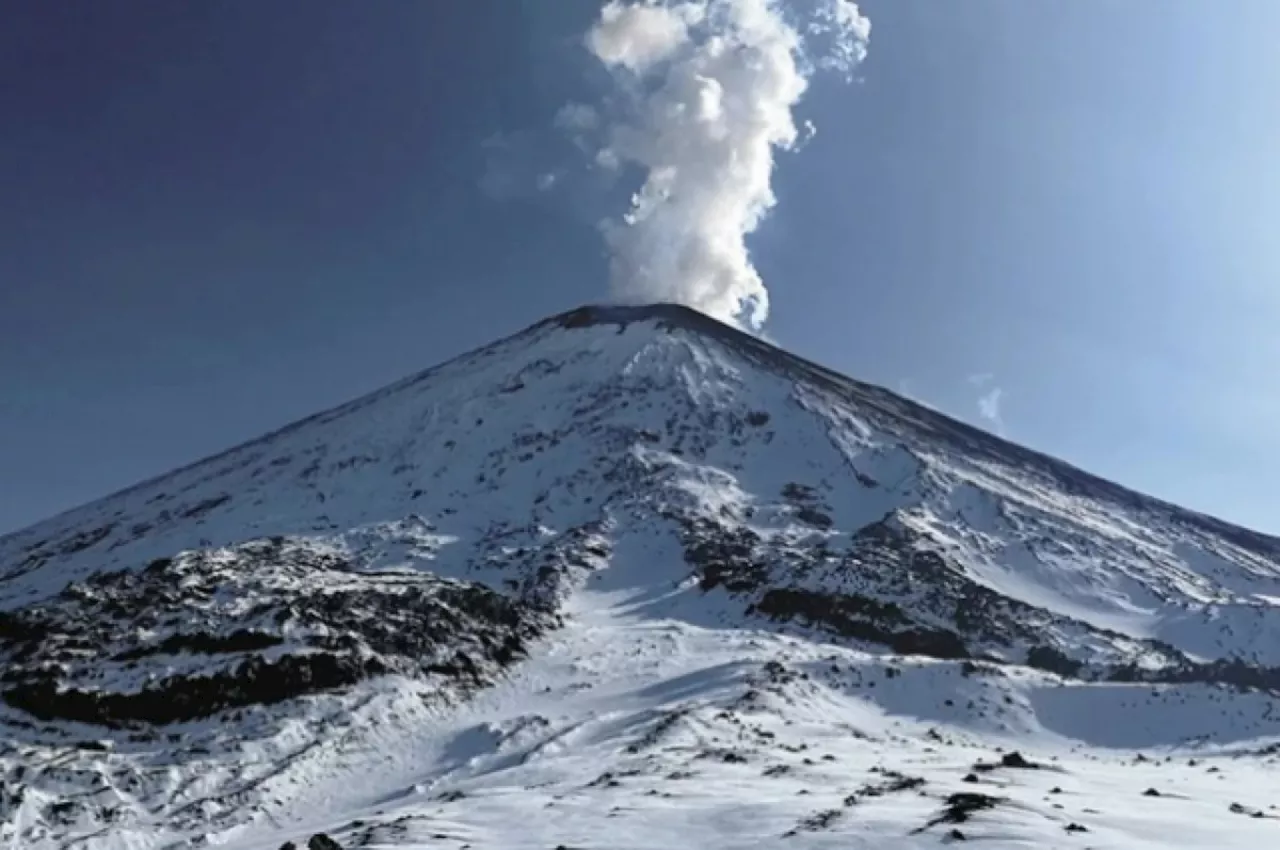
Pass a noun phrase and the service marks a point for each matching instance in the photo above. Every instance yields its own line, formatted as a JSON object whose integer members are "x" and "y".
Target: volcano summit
{"x": 634, "y": 579}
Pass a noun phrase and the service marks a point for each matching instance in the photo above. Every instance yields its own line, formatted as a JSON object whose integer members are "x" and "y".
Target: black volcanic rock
{"x": 265, "y": 622}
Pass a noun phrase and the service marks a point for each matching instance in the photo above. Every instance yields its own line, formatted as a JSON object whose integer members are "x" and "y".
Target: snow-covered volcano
{"x": 631, "y": 578}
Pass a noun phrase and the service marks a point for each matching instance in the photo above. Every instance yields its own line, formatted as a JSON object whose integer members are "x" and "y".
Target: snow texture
{"x": 634, "y": 579}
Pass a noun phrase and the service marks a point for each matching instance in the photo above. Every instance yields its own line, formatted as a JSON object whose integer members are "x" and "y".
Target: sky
{"x": 1052, "y": 219}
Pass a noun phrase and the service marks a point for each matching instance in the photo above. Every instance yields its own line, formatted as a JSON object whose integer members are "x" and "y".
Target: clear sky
{"x": 1055, "y": 219}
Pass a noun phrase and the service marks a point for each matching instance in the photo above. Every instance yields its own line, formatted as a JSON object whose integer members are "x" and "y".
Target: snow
{"x": 667, "y": 710}
{"x": 615, "y": 737}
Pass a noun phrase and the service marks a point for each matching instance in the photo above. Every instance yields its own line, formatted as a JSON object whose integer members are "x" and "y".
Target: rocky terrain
{"x": 256, "y": 624}
{"x": 632, "y": 578}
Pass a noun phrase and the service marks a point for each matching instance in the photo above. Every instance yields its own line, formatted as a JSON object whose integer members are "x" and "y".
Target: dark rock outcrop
{"x": 257, "y": 624}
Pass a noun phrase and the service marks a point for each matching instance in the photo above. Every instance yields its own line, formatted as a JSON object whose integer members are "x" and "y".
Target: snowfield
{"x": 632, "y": 579}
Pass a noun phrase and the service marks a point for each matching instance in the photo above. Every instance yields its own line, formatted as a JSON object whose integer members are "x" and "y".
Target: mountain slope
{"x": 596, "y": 539}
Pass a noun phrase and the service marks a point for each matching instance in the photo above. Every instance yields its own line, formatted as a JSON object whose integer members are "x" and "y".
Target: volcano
{"x": 632, "y": 578}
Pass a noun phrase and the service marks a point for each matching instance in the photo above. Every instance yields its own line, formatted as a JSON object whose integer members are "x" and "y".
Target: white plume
{"x": 989, "y": 402}
{"x": 708, "y": 89}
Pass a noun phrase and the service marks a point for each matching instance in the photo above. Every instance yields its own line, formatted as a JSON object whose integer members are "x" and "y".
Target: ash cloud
{"x": 703, "y": 100}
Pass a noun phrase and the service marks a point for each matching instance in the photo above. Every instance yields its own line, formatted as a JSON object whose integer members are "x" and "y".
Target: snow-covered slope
{"x": 628, "y": 577}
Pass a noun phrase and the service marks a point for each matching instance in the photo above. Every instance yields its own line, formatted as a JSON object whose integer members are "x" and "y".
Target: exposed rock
{"x": 261, "y": 623}
{"x": 961, "y": 807}
{"x": 320, "y": 841}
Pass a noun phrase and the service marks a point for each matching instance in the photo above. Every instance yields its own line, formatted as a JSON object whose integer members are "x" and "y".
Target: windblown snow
{"x": 634, "y": 579}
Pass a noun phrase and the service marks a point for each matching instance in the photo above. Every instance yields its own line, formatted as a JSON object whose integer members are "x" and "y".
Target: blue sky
{"x": 218, "y": 218}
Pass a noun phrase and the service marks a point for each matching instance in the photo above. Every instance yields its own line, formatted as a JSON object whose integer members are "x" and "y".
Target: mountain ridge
{"x": 629, "y": 547}
{"x": 609, "y": 314}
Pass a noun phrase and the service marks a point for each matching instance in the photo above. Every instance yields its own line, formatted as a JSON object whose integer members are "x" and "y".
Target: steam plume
{"x": 706, "y": 91}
